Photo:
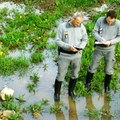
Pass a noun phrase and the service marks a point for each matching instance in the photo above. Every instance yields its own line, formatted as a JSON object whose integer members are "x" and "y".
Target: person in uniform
{"x": 70, "y": 35}
{"x": 107, "y": 33}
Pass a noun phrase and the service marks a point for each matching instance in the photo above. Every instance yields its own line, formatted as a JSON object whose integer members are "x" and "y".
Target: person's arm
{"x": 84, "y": 38}
{"x": 59, "y": 40}
{"x": 117, "y": 38}
{"x": 96, "y": 31}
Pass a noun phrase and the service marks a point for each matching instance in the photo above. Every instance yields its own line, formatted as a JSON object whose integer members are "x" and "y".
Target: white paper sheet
{"x": 100, "y": 43}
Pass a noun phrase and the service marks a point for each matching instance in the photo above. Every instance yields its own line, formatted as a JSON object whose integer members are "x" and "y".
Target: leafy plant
{"x": 45, "y": 66}
{"x": 36, "y": 107}
{"x": 9, "y": 97}
{"x": 61, "y": 103}
{"x": 44, "y": 102}
{"x": 35, "y": 78}
{"x": 31, "y": 86}
{"x": 93, "y": 112}
{"x": 53, "y": 34}
{"x": 109, "y": 97}
{"x": 37, "y": 57}
{"x": 20, "y": 98}
{"x": 55, "y": 109}
{"x": 52, "y": 46}
{"x": 15, "y": 116}
{"x": 9, "y": 105}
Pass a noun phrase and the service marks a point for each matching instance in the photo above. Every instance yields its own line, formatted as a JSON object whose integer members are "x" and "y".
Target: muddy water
{"x": 44, "y": 90}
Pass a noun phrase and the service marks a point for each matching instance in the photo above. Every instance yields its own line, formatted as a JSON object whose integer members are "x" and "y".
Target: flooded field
{"x": 44, "y": 90}
{"x": 47, "y": 71}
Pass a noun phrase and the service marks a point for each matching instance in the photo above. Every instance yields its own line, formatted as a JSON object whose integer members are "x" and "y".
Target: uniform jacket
{"x": 108, "y": 32}
{"x": 68, "y": 35}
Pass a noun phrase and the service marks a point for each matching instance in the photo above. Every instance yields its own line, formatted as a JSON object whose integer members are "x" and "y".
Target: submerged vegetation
{"x": 28, "y": 26}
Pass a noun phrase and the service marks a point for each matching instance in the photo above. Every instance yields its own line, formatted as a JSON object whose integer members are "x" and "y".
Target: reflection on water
{"x": 105, "y": 108}
{"x": 59, "y": 115}
{"x": 95, "y": 102}
{"x": 90, "y": 106}
{"x": 72, "y": 110}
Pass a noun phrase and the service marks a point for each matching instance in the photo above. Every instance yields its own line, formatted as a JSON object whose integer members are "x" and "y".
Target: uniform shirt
{"x": 68, "y": 35}
{"x": 108, "y": 32}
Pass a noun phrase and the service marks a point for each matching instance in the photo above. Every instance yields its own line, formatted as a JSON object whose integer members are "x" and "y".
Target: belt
{"x": 64, "y": 51}
{"x": 101, "y": 45}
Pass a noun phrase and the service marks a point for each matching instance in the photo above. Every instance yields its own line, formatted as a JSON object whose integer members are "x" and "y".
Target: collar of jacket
{"x": 68, "y": 24}
{"x": 105, "y": 21}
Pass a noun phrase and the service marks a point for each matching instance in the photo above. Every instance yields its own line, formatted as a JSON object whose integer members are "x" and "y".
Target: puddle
{"x": 10, "y": 6}
{"x": 17, "y": 52}
{"x": 45, "y": 90}
{"x": 17, "y": 7}
{"x": 101, "y": 8}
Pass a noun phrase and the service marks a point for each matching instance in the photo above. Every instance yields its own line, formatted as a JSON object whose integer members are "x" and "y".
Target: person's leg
{"x": 72, "y": 84}
{"x": 63, "y": 64}
{"x": 88, "y": 81}
{"x": 96, "y": 58}
{"x": 109, "y": 62}
{"x": 57, "y": 90}
{"x": 106, "y": 83}
{"x": 75, "y": 68}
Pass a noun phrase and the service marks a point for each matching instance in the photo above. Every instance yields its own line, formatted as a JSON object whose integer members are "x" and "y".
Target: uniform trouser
{"x": 109, "y": 61}
{"x": 63, "y": 64}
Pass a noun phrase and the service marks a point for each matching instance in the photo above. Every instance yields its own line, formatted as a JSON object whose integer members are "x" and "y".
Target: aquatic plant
{"x": 31, "y": 86}
{"x": 15, "y": 116}
{"x": 53, "y": 34}
{"x": 96, "y": 114}
{"x": 35, "y": 78}
{"x": 109, "y": 97}
{"x": 61, "y": 103}
{"x": 9, "y": 64}
{"x": 36, "y": 107}
{"x": 93, "y": 112}
{"x": 20, "y": 98}
{"x": 37, "y": 57}
{"x": 45, "y": 66}
{"x": 55, "y": 109}
{"x": 9, "y": 97}
{"x": 10, "y": 105}
{"x": 44, "y": 102}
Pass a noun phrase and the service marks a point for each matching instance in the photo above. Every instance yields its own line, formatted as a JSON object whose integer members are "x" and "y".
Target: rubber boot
{"x": 106, "y": 83}
{"x": 57, "y": 90}
{"x": 72, "y": 84}
{"x": 88, "y": 81}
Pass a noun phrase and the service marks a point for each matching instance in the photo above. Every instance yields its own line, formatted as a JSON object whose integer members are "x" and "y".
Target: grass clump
{"x": 37, "y": 57}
